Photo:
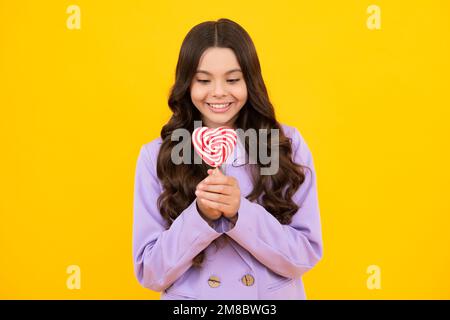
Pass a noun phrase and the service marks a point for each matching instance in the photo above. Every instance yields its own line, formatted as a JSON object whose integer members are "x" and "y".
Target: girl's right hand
{"x": 208, "y": 213}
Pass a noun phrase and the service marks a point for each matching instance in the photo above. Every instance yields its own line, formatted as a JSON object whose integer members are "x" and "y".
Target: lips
{"x": 219, "y": 108}
{"x": 219, "y": 103}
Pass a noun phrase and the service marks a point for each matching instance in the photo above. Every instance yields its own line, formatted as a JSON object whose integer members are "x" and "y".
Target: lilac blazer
{"x": 262, "y": 258}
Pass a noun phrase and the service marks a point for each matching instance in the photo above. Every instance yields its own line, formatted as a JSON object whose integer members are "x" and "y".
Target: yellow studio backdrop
{"x": 83, "y": 84}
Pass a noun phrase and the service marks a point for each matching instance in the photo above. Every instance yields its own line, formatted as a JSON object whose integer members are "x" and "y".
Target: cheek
{"x": 240, "y": 93}
{"x": 198, "y": 94}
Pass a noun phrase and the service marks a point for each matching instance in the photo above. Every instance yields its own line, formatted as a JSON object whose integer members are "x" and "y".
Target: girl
{"x": 202, "y": 234}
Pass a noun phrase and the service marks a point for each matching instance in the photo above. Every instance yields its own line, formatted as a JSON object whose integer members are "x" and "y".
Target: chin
{"x": 221, "y": 122}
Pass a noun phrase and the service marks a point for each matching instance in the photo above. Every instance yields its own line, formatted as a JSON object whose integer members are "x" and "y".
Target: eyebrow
{"x": 229, "y": 71}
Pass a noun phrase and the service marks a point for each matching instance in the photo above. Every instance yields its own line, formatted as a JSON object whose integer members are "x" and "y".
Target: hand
{"x": 208, "y": 213}
{"x": 220, "y": 192}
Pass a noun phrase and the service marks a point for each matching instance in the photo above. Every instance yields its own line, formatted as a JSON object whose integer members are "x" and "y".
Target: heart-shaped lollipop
{"x": 214, "y": 145}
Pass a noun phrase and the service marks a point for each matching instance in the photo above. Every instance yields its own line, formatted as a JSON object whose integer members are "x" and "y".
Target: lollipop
{"x": 214, "y": 145}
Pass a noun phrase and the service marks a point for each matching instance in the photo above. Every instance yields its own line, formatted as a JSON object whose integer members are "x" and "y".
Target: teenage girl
{"x": 200, "y": 233}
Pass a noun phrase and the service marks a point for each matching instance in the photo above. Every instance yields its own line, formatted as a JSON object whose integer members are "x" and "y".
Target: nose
{"x": 218, "y": 89}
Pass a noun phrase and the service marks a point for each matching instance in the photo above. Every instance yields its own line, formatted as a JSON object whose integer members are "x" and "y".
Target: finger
{"x": 219, "y": 180}
{"x": 204, "y": 180}
{"x": 214, "y": 205}
{"x": 218, "y": 188}
{"x": 215, "y": 172}
{"x": 217, "y": 197}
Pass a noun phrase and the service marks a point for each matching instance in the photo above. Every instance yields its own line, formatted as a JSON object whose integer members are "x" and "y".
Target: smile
{"x": 219, "y": 107}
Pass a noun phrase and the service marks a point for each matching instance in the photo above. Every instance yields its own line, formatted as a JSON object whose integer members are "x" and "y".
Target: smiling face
{"x": 218, "y": 88}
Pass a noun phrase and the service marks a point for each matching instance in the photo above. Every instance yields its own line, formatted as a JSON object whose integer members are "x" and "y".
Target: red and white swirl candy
{"x": 214, "y": 145}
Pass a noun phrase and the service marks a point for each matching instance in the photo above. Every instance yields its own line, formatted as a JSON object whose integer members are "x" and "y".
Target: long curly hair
{"x": 273, "y": 192}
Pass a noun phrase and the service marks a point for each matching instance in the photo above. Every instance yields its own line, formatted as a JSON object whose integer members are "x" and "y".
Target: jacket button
{"x": 248, "y": 280}
{"x": 214, "y": 282}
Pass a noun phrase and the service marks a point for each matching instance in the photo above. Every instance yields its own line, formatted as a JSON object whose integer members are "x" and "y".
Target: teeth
{"x": 219, "y": 106}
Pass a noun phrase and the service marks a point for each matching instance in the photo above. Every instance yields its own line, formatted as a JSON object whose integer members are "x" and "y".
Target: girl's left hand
{"x": 220, "y": 192}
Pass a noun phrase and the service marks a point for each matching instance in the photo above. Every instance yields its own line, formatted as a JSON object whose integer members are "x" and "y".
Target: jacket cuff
{"x": 246, "y": 220}
{"x": 201, "y": 230}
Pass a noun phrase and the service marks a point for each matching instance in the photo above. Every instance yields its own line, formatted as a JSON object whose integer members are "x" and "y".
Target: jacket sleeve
{"x": 288, "y": 250}
{"x": 162, "y": 255}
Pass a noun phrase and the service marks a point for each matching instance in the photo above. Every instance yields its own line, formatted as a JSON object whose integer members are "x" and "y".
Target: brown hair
{"x": 273, "y": 192}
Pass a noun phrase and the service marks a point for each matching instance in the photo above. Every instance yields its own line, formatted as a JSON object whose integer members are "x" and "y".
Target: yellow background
{"x": 76, "y": 105}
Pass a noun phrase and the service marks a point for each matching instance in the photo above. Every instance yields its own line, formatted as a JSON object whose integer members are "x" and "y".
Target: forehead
{"x": 218, "y": 61}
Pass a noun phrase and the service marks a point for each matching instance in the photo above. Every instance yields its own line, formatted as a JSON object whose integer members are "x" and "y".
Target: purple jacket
{"x": 262, "y": 259}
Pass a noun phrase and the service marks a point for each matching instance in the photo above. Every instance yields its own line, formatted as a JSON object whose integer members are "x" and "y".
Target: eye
{"x": 230, "y": 80}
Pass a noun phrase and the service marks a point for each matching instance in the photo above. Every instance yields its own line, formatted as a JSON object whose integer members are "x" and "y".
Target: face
{"x": 218, "y": 89}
